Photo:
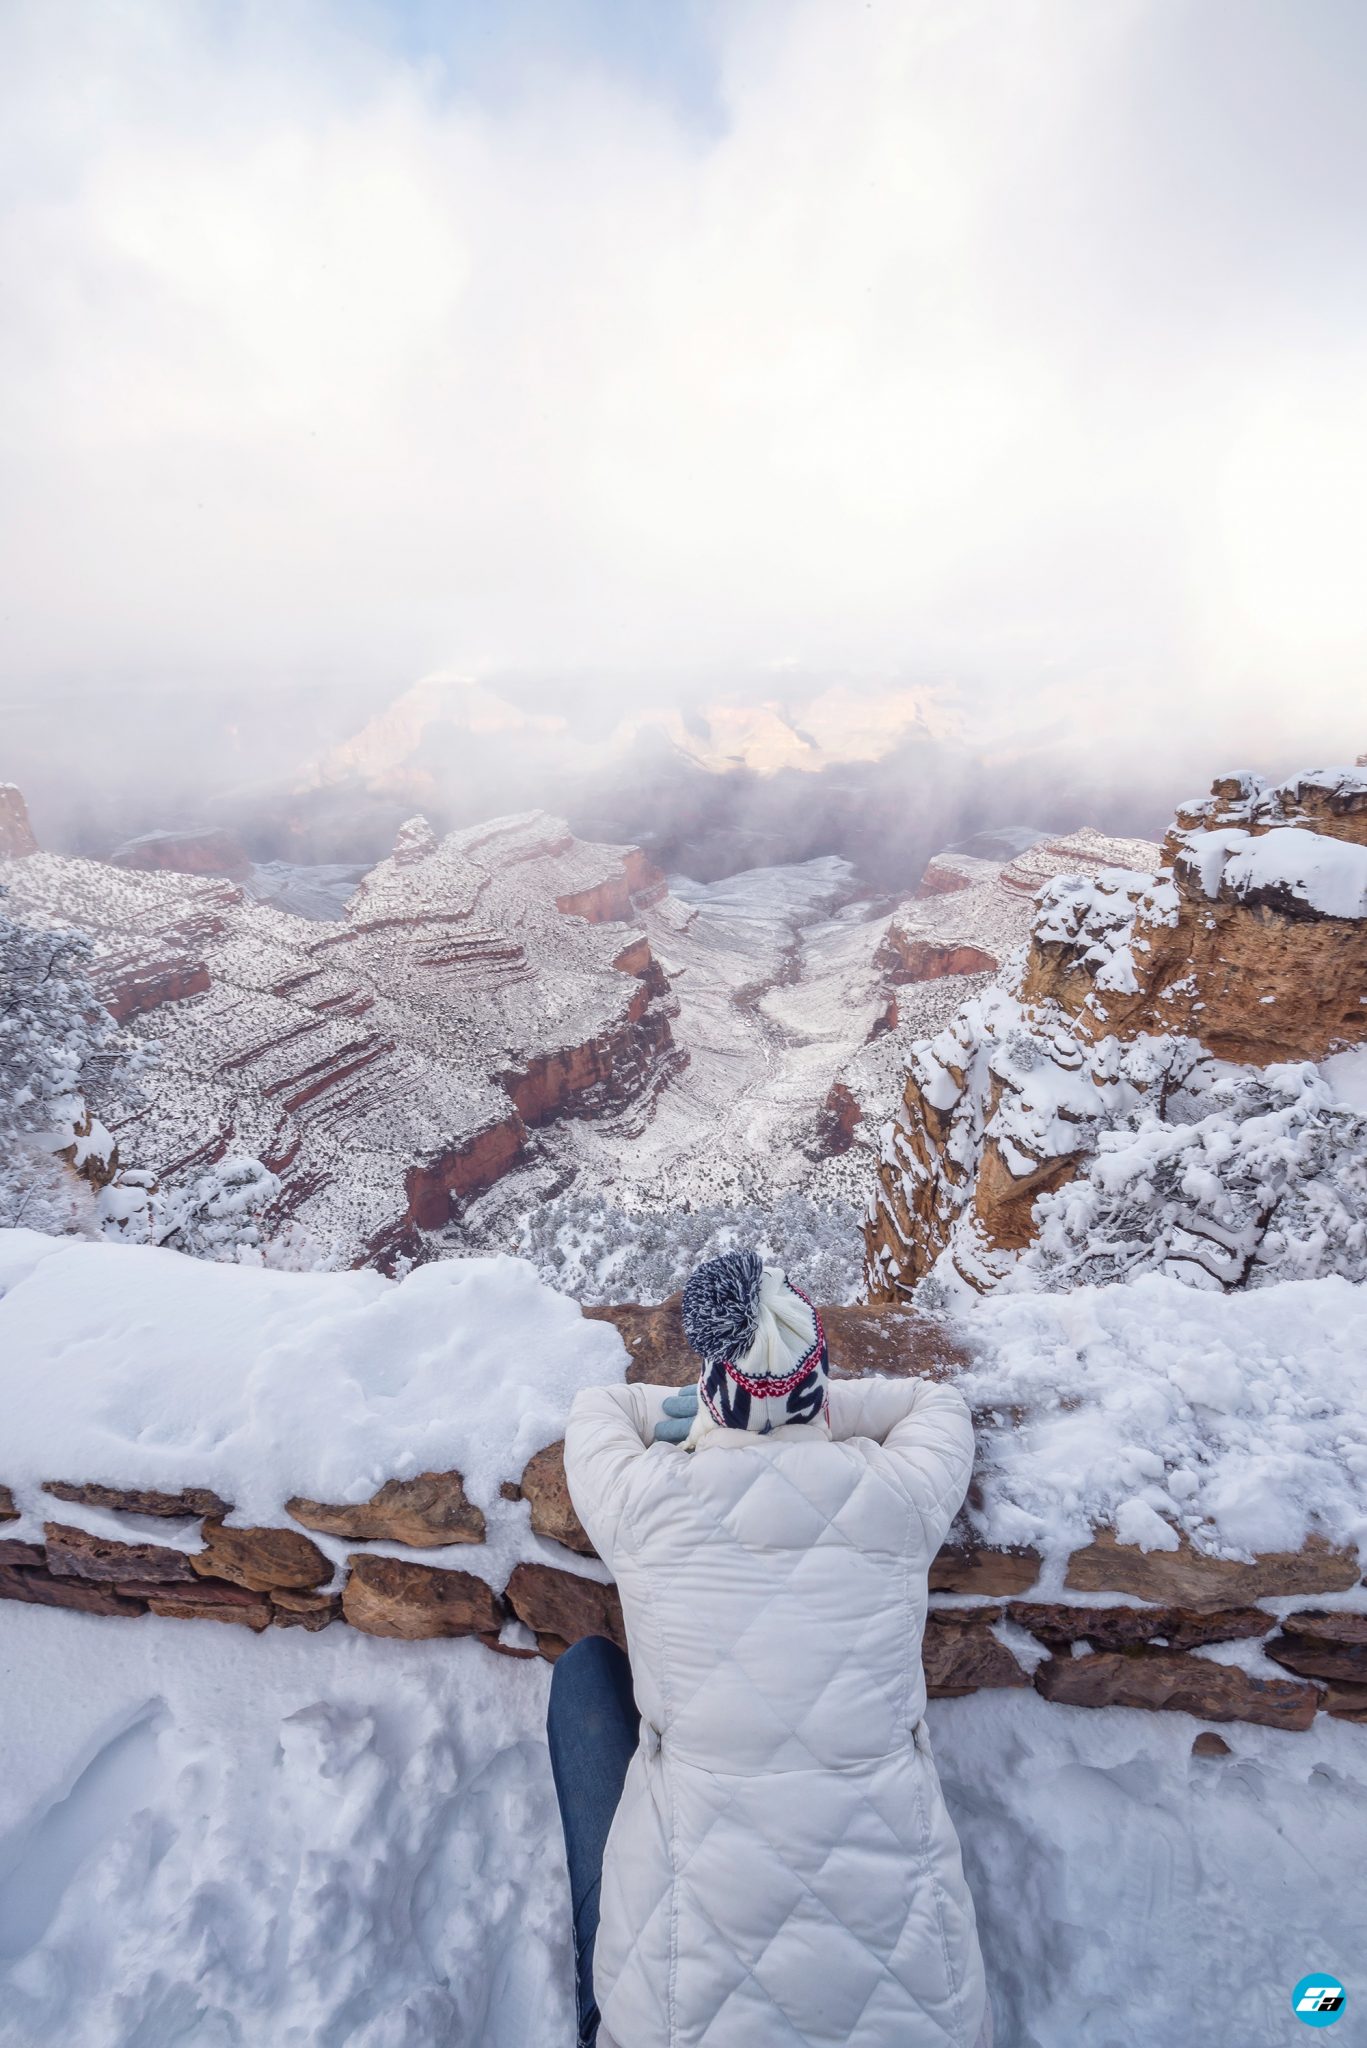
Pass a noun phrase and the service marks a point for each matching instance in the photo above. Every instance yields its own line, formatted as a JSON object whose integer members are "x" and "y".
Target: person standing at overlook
{"x": 759, "y": 1850}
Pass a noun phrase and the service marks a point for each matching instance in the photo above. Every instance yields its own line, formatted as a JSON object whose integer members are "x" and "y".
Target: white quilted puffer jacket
{"x": 781, "y": 1872}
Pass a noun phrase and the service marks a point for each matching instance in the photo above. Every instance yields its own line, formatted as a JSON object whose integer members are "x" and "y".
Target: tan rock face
{"x": 187, "y": 1505}
{"x": 75, "y": 1553}
{"x": 8, "y": 1511}
{"x": 991, "y": 1572}
{"x": 1169, "y": 1680}
{"x": 209, "y": 1600}
{"x": 861, "y": 1339}
{"x": 1253, "y": 980}
{"x": 1186, "y": 1578}
{"x": 1330, "y": 1646}
{"x": 424, "y": 1512}
{"x": 1227, "y": 950}
{"x": 560, "y": 1607}
{"x": 552, "y": 1511}
{"x": 260, "y": 1559}
{"x": 39, "y": 1588}
{"x": 1120, "y": 1628}
{"x": 310, "y": 1611}
{"x": 387, "y": 1596}
{"x": 24, "y": 1576}
{"x": 1345, "y": 1702}
{"x": 962, "y": 1656}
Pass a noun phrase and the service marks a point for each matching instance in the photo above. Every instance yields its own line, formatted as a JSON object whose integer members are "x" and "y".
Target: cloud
{"x": 1013, "y": 350}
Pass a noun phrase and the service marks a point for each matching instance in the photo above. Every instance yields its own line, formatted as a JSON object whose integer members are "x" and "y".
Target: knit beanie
{"x": 762, "y": 1347}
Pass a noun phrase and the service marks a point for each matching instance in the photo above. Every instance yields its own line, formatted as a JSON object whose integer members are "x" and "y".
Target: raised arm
{"x": 926, "y": 1427}
{"x": 608, "y": 1432}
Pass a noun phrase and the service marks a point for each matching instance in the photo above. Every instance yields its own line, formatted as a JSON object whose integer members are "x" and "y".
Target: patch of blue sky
{"x": 490, "y": 50}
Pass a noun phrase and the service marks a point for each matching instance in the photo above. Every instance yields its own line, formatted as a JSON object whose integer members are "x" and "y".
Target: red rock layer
{"x": 904, "y": 959}
{"x": 211, "y": 852}
{"x": 615, "y": 900}
{"x": 939, "y": 879}
{"x": 587, "y": 1080}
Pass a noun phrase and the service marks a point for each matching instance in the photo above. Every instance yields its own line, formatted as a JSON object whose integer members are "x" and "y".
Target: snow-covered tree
{"x": 589, "y": 1247}
{"x": 220, "y": 1214}
{"x": 1243, "y": 1177}
{"x": 56, "y": 1038}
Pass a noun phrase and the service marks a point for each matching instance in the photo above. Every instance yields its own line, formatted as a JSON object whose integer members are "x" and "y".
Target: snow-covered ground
{"x": 134, "y": 1366}
{"x": 1150, "y": 1406}
{"x": 1133, "y": 1895}
{"x": 210, "y": 1839}
{"x": 315, "y": 1841}
{"x": 215, "y": 1840}
{"x": 1241, "y": 1418}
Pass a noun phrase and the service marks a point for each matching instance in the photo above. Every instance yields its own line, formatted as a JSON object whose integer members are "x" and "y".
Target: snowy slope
{"x": 314, "y": 1841}
{"x": 214, "y": 1840}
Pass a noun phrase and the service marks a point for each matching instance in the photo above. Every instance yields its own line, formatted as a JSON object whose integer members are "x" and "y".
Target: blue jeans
{"x": 591, "y": 1727}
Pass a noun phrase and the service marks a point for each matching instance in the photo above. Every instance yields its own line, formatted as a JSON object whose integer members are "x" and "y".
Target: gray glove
{"x": 679, "y": 1411}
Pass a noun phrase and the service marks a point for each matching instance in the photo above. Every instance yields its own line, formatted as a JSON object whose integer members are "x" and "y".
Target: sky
{"x": 1016, "y": 349}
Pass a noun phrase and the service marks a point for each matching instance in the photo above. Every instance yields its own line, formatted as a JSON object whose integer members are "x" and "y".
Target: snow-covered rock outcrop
{"x": 16, "y": 833}
{"x": 1166, "y": 1078}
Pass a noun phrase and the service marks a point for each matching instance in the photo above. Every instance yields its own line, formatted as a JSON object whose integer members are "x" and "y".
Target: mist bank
{"x": 102, "y": 767}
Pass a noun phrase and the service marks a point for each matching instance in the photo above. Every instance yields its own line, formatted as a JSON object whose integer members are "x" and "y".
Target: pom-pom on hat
{"x": 761, "y": 1343}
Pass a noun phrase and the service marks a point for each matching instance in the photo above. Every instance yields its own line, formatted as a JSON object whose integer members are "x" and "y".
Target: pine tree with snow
{"x": 56, "y": 1040}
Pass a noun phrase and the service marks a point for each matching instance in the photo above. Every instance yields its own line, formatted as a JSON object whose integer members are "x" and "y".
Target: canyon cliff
{"x": 390, "y": 1067}
{"x": 1145, "y": 1086}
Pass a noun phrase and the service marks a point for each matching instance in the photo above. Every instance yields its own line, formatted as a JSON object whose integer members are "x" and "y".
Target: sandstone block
{"x": 211, "y": 1600}
{"x": 560, "y": 1607}
{"x": 260, "y": 1559}
{"x": 1186, "y": 1578}
{"x": 1345, "y": 1702}
{"x": 8, "y": 1511}
{"x": 1318, "y": 1625}
{"x": 1170, "y": 1681}
{"x": 961, "y": 1657}
{"x": 544, "y": 1488}
{"x": 75, "y": 1553}
{"x": 187, "y": 1505}
{"x": 16, "y": 1556}
{"x": 425, "y": 1512}
{"x": 386, "y": 1596}
{"x": 863, "y": 1339}
{"x": 305, "y": 1610}
{"x": 1119, "y": 1628}
{"x": 1337, "y": 1653}
{"x": 198, "y": 1593}
{"x": 961, "y": 1569}
{"x": 40, "y": 1589}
